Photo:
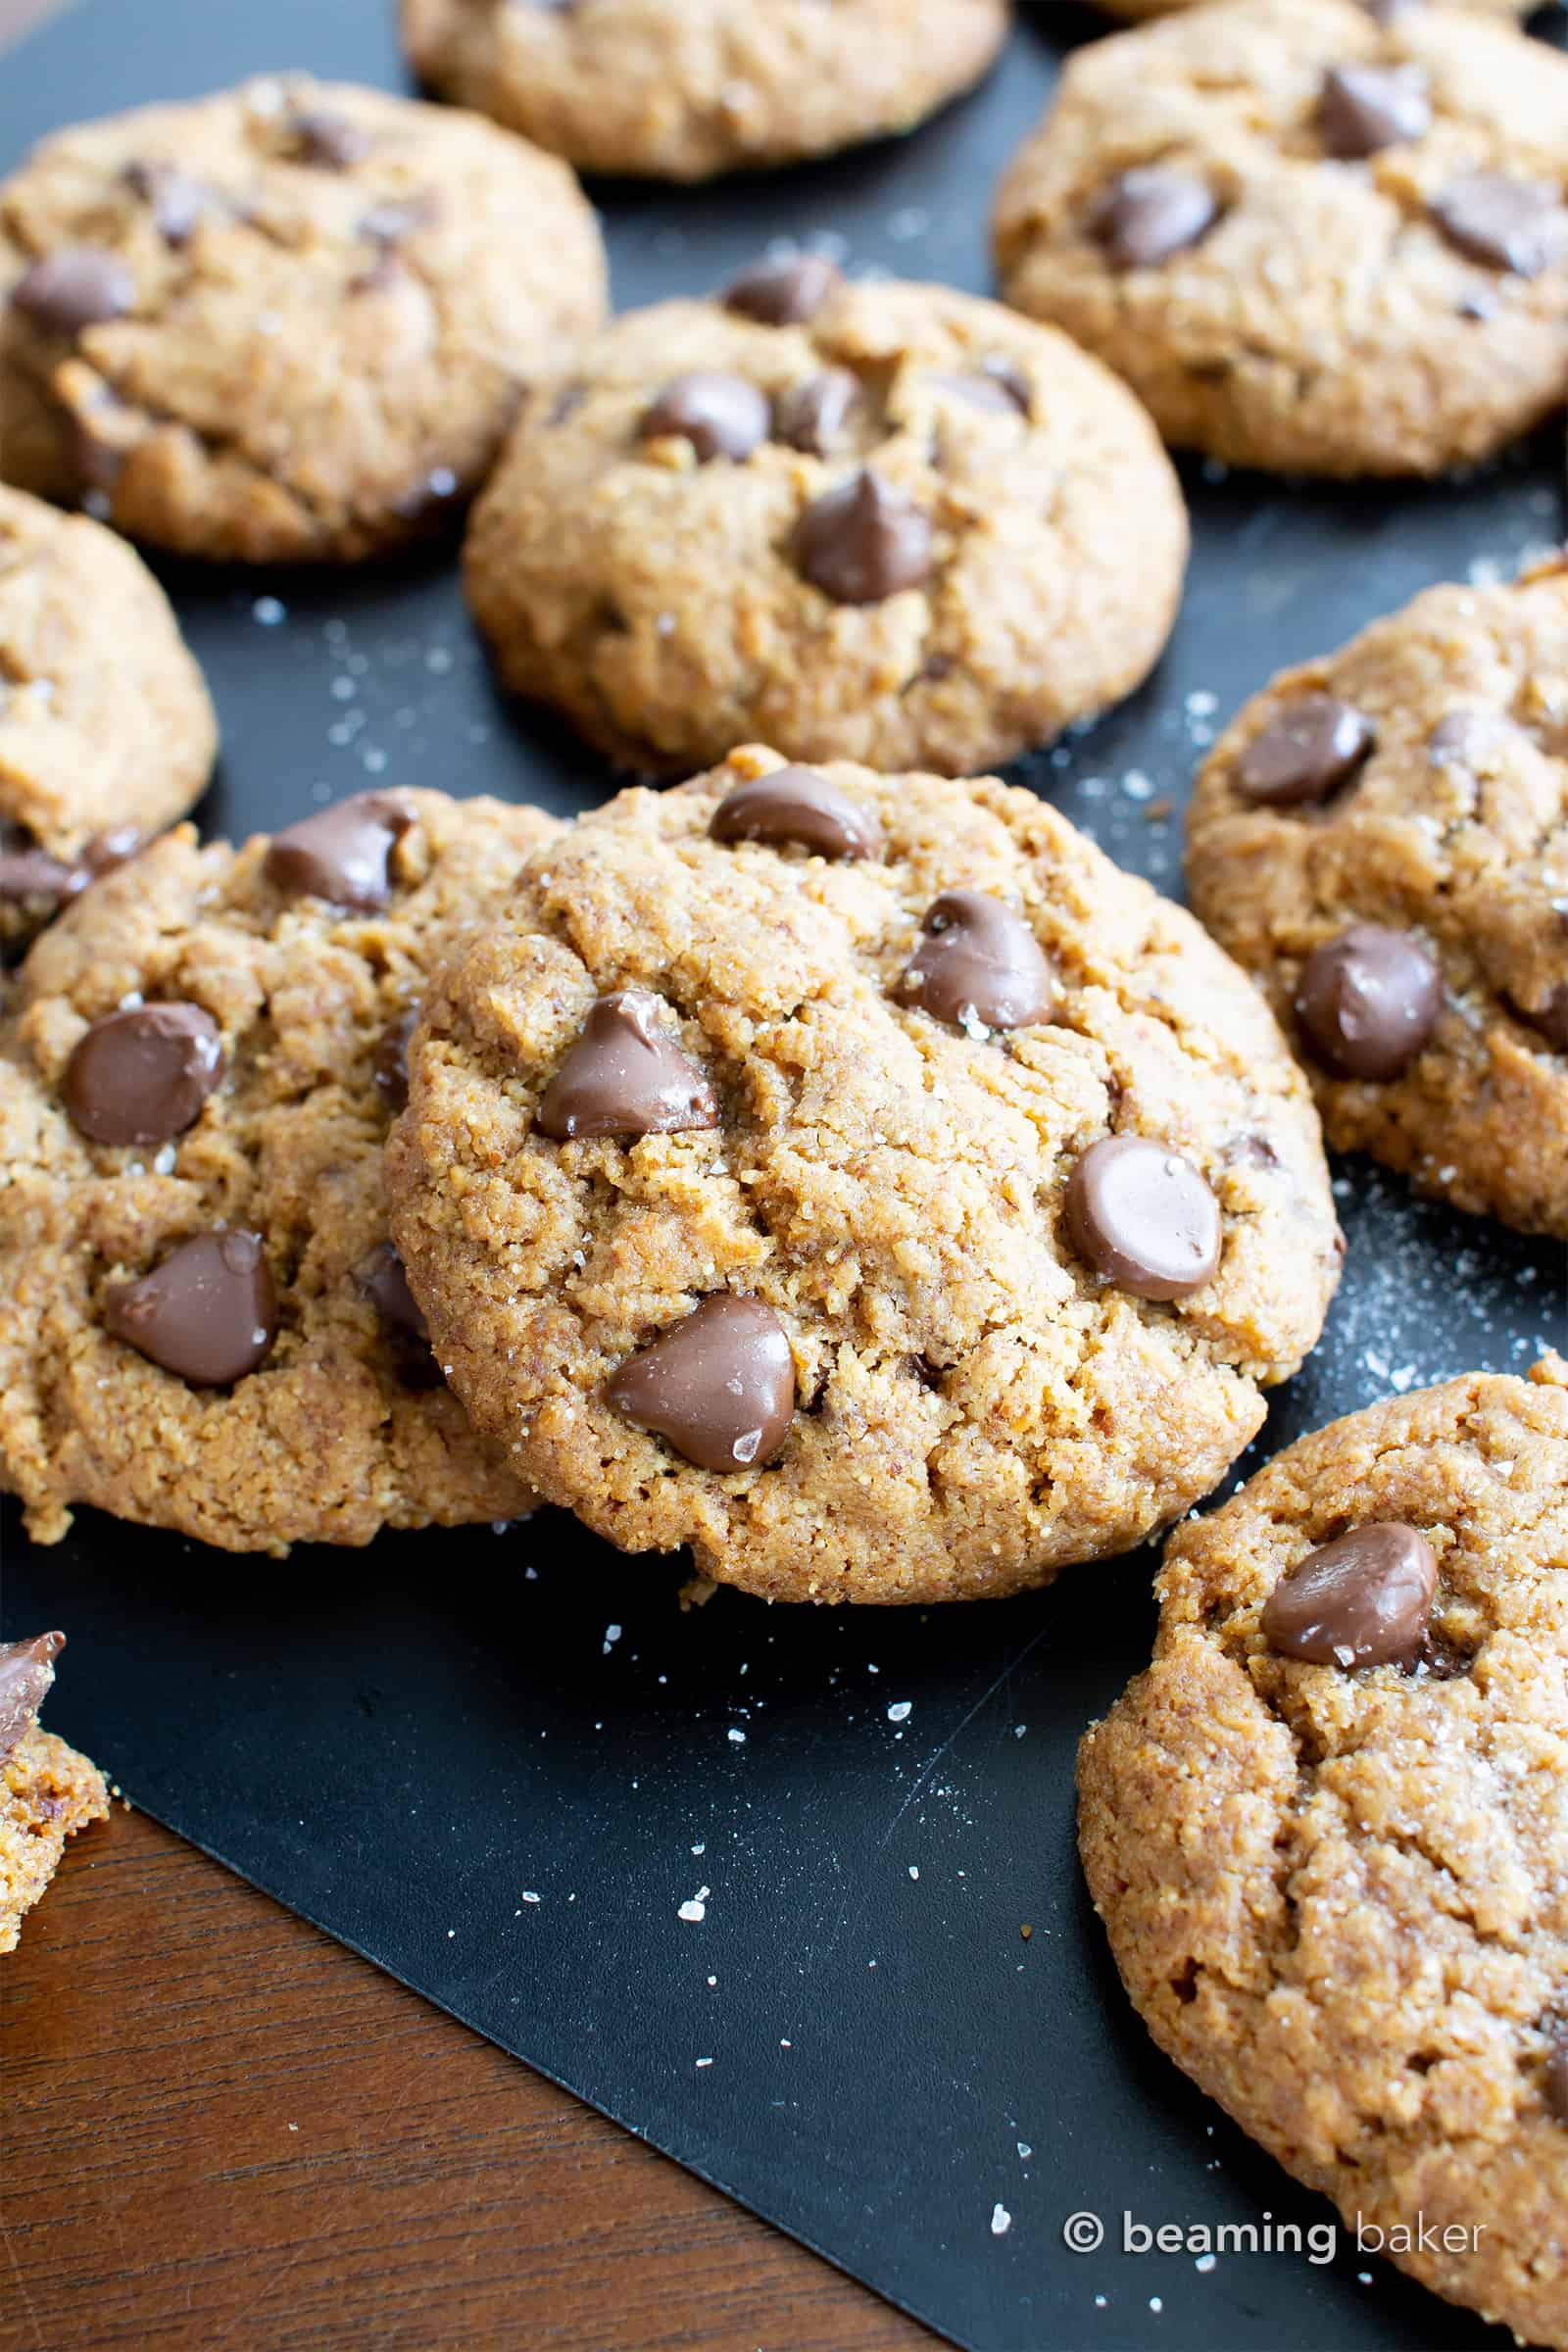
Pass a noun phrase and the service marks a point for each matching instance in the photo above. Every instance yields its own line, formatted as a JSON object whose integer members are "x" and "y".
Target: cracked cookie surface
{"x": 262, "y": 1026}
{"x": 915, "y": 530}
{"x": 681, "y": 89}
{"x": 1337, "y": 1897}
{"x": 1443, "y": 822}
{"x": 1361, "y": 278}
{"x": 288, "y": 322}
{"x": 931, "y": 1392}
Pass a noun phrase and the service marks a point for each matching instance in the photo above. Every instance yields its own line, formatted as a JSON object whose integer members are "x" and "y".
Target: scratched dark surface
{"x": 500, "y": 1763}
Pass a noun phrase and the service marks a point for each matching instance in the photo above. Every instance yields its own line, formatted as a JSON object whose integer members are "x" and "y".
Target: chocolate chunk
{"x": 177, "y": 201}
{"x": 625, "y": 1075}
{"x": 343, "y": 854}
{"x": 27, "y": 1670}
{"x": 783, "y": 292}
{"x": 1368, "y": 1001}
{"x": 1517, "y": 224}
{"x": 978, "y": 961}
{"x": 721, "y": 415}
{"x": 1552, "y": 1021}
{"x": 815, "y": 414}
{"x": 391, "y": 1071}
{"x": 720, "y": 1386}
{"x": 330, "y": 141}
{"x": 1362, "y": 1601}
{"x": 1148, "y": 214}
{"x": 75, "y": 287}
{"x": 1316, "y": 744}
{"x": 379, "y": 1278}
{"x": 142, "y": 1075}
{"x": 207, "y": 1312}
{"x": 1143, "y": 1216}
{"x": 863, "y": 541}
{"x": 797, "y": 804}
{"x": 1364, "y": 109}
{"x": 1556, "y": 2078}
{"x": 987, "y": 387}
{"x": 28, "y": 874}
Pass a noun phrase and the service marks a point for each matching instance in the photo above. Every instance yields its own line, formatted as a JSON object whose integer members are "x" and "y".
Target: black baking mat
{"x": 501, "y": 1763}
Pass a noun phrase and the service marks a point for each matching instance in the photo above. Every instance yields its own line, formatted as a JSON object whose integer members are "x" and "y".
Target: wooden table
{"x": 219, "y": 2127}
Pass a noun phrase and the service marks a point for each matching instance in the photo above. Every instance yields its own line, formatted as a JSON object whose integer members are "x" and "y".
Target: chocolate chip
{"x": 721, "y": 415}
{"x": 863, "y": 541}
{"x": 379, "y": 1278}
{"x": 1517, "y": 224}
{"x": 27, "y": 1670}
{"x": 1148, "y": 214}
{"x": 76, "y": 287}
{"x": 397, "y": 219}
{"x": 207, "y": 1312}
{"x": 1556, "y": 2078}
{"x": 141, "y": 1075}
{"x": 720, "y": 1386}
{"x": 177, "y": 201}
{"x": 391, "y": 1072}
{"x": 797, "y": 804}
{"x": 1552, "y": 1021}
{"x": 625, "y": 1075}
{"x": 343, "y": 854}
{"x": 978, "y": 961}
{"x": 1314, "y": 746}
{"x": 815, "y": 415}
{"x": 1364, "y": 109}
{"x": 31, "y": 874}
{"x": 330, "y": 141}
{"x": 1384, "y": 11}
{"x": 1467, "y": 738}
{"x": 1362, "y": 1601}
{"x": 987, "y": 388}
{"x": 1143, "y": 1216}
{"x": 1368, "y": 1001}
{"x": 1007, "y": 374}
{"x": 783, "y": 292}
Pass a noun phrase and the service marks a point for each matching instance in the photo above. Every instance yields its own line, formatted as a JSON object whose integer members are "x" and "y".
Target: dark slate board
{"x": 499, "y": 1763}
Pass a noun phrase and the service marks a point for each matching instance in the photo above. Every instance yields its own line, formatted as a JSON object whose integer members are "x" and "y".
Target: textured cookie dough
{"x": 289, "y": 322}
{"x": 679, "y": 89}
{"x": 47, "y": 1790}
{"x": 1449, "y": 825}
{"x": 661, "y": 599}
{"x": 1337, "y": 1897}
{"x": 1279, "y": 305}
{"x": 105, "y": 730}
{"x": 344, "y": 1427}
{"x": 970, "y": 1405}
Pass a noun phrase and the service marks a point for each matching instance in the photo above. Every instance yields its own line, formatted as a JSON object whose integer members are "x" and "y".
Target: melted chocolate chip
{"x": 391, "y": 1071}
{"x": 1149, "y": 213}
{"x": 978, "y": 961}
{"x": 1556, "y": 2078}
{"x": 207, "y": 1312}
{"x": 75, "y": 287}
{"x": 1363, "y": 1601}
{"x": 379, "y": 1278}
{"x": 985, "y": 389}
{"x": 1552, "y": 1021}
{"x": 721, "y": 415}
{"x": 720, "y": 1386}
{"x": 330, "y": 141}
{"x": 815, "y": 414}
{"x": 797, "y": 804}
{"x": 1515, "y": 224}
{"x": 1364, "y": 109}
{"x": 179, "y": 202}
{"x": 28, "y": 873}
{"x": 343, "y": 854}
{"x": 141, "y": 1075}
{"x": 1368, "y": 1001}
{"x": 627, "y": 1076}
{"x": 1315, "y": 744}
{"x": 27, "y": 1670}
{"x": 863, "y": 541}
{"x": 786, "y": 292}
{"x": 1143, "y": 1216}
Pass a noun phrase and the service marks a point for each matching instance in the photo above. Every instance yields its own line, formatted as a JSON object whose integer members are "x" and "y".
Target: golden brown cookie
{"x": 859, "y": 1180}
{"x": 106, "y": 733}
{"x": 1311, "y": 238}
{"x": 1382, "y": 838}
{"x": 47, "y": 1792}
{"x": 680, "y": 89}
{"x": 866, "y": 522}
{"x": 1326, "y": 1829}
{"x": 288, "y": 322}
{"x": 202, "y": 1323}
{"x": 1382, "y": 10}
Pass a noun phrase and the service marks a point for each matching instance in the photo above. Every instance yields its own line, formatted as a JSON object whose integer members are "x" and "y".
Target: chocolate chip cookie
{"x": 106, "y": 730}
{"x": 1313, "y": 237}
{"x": 870, "y": 522}
{"x": 1382, "y": 10}
{"x": 1326, "y": 1829}
{"x": 285, "y": 324}
{"x": 47, "y": 1792}
{"x": 1382, "y": 838}
{"x": 202, "y": 1325}
{"x": 679, "y": 89}
{"x": 857, "y": 1179}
